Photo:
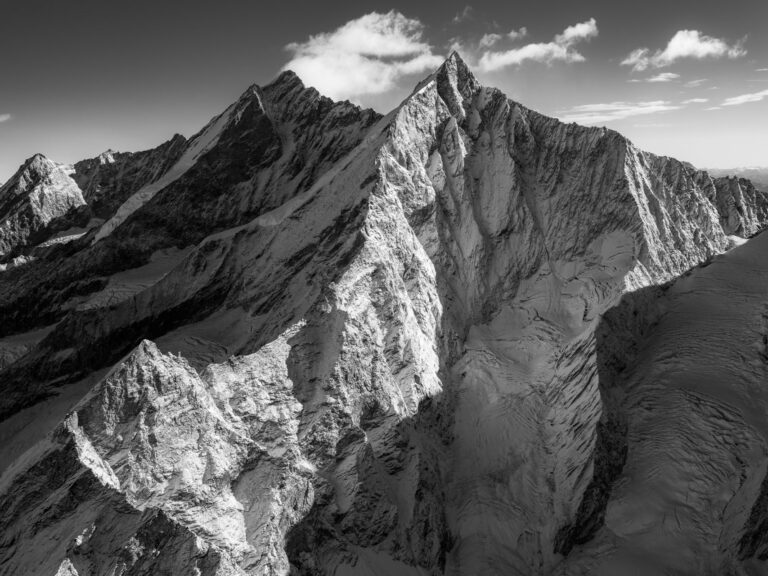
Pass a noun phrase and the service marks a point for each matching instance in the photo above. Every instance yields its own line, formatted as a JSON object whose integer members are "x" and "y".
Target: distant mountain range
{"x": 758, "y": 176}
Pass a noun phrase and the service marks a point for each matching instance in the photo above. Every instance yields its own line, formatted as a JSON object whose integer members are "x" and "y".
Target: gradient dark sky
{"x": 79, "y": 77}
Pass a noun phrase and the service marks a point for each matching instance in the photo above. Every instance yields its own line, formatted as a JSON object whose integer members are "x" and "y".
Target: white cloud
{"x": 761, "y": 69}
{"x": 5, "y": 117}
{"x": 684, "y": 44}
{"x": 577, "y": 33}
{"x": 521, "y": 32}
{"x": 367, "y": 55}
{"x": 695, "y": 101}
{"x": 560, "y": 49}
{"x": 745, "y": 98}
{"x": 489, "y": 40}
{"x": 696, "y": 83}
{"x": 465, "y": 14}
{"x": 607, "y": 112}
{"x": 663, "y": 77}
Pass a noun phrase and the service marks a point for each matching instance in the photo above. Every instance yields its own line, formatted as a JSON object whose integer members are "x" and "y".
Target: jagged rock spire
{"x": 456, "y": 83}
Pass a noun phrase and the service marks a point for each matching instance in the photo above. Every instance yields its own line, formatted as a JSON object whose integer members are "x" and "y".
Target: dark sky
{"x": 79, "y": 77}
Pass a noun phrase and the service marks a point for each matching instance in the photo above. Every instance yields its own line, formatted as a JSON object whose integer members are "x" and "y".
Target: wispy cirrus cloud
{"x": 663, "y": 77}
{"x": 610, "y": 111}
{"x": 695, "y": 101}
{"x": 696, "y": 83}
{"x": 745, "y": 98}
{"x": 464, "y": 15}
{"x": 691, "y": 44}
{"x": 761, "y": 69}
{"x": 367, "y": 55}
{"x": 560, "y": 49}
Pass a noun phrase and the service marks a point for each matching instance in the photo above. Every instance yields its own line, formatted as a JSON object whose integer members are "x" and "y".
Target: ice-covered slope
{"x": 388, "y": 346}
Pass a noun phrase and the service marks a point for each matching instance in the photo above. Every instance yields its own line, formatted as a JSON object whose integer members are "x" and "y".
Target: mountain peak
{"x": 33, "y": 168}
{"x": 288, "y": 79}
{"x": 456, "y": 83}
{"x": 456, "y": 63}
{"x": 37, "y": 161}
{"x": 461, "y": 310}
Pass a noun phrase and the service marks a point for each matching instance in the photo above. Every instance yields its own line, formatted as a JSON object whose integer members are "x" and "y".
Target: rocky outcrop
{"x": 145, "y": 464}
{"x": 401, "y": 345}
{"x": 743, "y": 207}
{"x": 39, "y": 199}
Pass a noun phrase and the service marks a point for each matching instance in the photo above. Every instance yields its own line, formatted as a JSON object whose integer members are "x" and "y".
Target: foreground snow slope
{"x": 690, "y": 393}
{"x": 415, "y": 344}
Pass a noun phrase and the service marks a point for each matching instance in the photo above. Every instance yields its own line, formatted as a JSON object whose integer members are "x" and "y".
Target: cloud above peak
{"x": 465, "y": 14}
{"x": 685, "y": 44}
{"x": 560, "y": 49}
{"x": 489, "y": 40}
{"x": 577, "y": 33}
{"x": 365, "y": 56}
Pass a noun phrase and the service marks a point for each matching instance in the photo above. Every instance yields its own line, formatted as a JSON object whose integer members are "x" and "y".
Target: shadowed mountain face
{"x": 463, "y": 338}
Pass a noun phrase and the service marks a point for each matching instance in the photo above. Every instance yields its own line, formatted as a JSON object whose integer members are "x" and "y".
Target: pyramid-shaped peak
{"x": 37, "y": 161}
{"x": 33, "y": 169}
{"x": 456, "y": 64}
{"x": 456, "y": 82}
{"x": 286, "y": 80}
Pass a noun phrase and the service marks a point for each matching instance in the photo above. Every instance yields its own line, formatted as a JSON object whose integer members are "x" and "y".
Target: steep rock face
{"x": 536, "y": 229}
{"x": 391, "y": 345}
{"x": 112, "y": 177}
{"x": 145, "y": 462}
{"x": 40, "y": 195}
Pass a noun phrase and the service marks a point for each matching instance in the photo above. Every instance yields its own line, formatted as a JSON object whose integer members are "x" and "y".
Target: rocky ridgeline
{"x": 387, "y": 345}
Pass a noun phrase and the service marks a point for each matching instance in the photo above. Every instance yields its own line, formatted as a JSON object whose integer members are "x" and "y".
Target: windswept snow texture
{"x": 463, "y": 338}
{"x": 692, "y": 395}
